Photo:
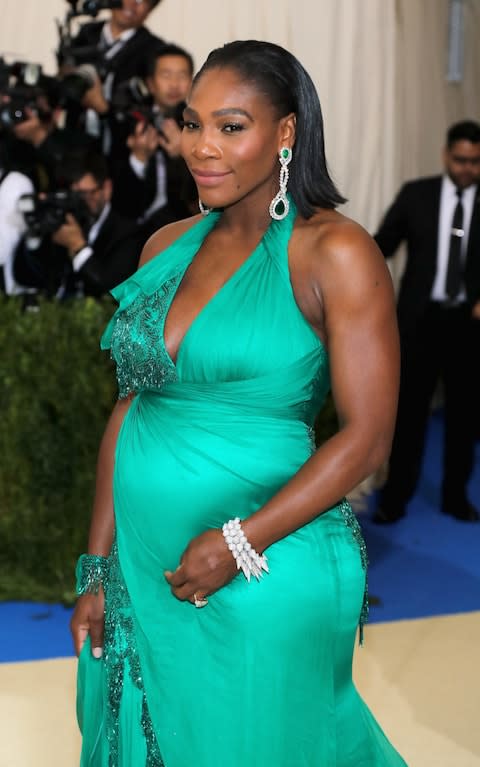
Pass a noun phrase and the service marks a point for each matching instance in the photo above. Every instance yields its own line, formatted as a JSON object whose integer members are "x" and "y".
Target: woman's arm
{"x": 88, "y": 614}
{"x": 356, "y": 297}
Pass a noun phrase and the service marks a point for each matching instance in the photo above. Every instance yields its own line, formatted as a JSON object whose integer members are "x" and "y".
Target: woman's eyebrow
{"x": 222, "y": 112}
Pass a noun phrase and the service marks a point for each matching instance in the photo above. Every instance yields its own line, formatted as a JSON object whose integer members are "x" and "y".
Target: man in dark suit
{"x": 122, "y": 41}
{"x": 151, "y": 182}
{"x": 119, "y": 48}
{"x": 439, "y": 321}
{"x": 92, "y": 255}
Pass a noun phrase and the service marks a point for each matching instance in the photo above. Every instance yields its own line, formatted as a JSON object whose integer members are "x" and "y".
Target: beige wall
{"x": 379, "y": 66}
{"x": 426, "y": 103}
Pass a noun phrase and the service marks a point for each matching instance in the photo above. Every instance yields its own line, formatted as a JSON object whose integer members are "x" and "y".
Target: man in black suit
{"x": 122, "y": 40}
{"x": 151, "y": 182}
{"x": 439, "y": 321}
{"x": 92, "y": 255}
{"x": 121, "y": 46}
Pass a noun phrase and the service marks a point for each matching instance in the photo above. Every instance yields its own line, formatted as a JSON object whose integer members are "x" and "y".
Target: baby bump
{"x": 178, "y": 473}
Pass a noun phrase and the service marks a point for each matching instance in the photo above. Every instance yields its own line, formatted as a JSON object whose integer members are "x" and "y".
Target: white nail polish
{"x": 97, "y": 652}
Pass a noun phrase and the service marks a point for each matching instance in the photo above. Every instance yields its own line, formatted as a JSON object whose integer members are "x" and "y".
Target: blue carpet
{"x": 426, "y": 564}
{"x": 33, "y": 631}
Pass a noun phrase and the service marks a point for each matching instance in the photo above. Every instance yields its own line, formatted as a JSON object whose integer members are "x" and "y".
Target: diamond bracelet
{"x": 244, "y": 554}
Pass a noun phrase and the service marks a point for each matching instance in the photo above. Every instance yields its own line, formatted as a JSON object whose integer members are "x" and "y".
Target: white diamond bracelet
{"x": 244, "y": 554}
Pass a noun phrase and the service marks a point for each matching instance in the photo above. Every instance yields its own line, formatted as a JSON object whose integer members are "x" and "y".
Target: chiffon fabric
{"x": 261, "y": 676}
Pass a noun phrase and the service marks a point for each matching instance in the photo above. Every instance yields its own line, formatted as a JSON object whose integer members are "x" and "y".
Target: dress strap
{"x": 277, "y": 239}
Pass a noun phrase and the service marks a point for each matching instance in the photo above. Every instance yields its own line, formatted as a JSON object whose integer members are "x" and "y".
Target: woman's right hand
{"x": 88, "y": 618}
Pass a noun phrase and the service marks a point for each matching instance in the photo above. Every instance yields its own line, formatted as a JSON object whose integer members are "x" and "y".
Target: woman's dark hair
{"x": 278, "y": 75}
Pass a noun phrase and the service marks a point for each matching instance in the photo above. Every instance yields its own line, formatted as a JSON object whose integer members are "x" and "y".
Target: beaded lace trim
{"x": 137, "y": 344}
{"x": 352, "y": 522}
{"x": 120, "y": 655}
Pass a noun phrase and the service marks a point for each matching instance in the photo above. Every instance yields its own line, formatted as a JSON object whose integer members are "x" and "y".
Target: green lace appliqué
{"x": 137, "y": 344}
{"x": 352, "y": 522}
{"x": 120, "y": 656}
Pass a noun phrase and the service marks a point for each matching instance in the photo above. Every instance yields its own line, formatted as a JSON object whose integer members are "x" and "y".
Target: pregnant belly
{"x": 181, "y": 471}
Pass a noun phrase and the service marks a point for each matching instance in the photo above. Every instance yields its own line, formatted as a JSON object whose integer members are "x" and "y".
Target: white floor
{"x": 421, "y": 678}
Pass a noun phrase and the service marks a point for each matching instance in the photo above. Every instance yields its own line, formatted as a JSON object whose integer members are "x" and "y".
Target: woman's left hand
{"x": 205, "y": 566}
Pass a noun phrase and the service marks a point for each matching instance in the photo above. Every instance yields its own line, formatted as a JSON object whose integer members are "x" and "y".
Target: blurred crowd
{"x": 90, "y": 161}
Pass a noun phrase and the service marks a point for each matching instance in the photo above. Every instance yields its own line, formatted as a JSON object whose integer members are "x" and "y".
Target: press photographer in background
{"x": 104, "y": 54}
{"x": 75, "y": 243}
{"x": 31, "y": 107}
{"x": 31, "y": 147}
{"x": 151, "y": 181}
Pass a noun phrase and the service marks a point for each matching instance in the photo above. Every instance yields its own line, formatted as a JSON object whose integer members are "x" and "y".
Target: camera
{"x": 92, "y": 7}
{"x": 130, "y": 118}
{"x": 76, "y": 83}
{"x": 74, "y": 56}
{"x": 132, "y": 104}
{"x": 45, "y": 213}
{"x": 20, "y": 106}
{"x": 21, "y": 83}
{"x": 19, "y": 73}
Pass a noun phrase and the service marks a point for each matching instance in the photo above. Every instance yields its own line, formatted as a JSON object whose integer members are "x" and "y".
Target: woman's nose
{"x": 204, "y": 146}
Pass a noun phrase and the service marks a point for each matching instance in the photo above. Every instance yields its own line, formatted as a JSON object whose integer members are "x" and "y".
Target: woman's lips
{"x": 209, "y": 177}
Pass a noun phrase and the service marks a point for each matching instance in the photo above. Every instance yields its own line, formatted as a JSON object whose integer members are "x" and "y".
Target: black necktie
{"x": 454, "y": 271}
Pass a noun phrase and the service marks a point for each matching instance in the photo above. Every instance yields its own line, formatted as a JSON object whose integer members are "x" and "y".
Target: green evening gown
{"x": 261, "y": 677}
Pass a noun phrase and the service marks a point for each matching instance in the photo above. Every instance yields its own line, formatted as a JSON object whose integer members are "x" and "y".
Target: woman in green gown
{"x": 227, "y": 340}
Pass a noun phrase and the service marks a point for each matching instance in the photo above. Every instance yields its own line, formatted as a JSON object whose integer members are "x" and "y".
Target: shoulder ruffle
{"x": 152, "y": 275}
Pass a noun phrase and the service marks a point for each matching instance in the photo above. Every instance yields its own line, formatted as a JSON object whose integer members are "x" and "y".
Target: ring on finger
{"x": 200, "y": 601}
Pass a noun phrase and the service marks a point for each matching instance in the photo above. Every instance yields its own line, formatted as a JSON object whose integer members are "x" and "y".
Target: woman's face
{"x": 231, "y": 139}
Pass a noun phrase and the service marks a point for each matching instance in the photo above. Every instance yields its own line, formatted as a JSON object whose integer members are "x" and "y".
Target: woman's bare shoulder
{"x": 164, "y": 237}
{"x": 333, "y": 235}
{"x": 337, "y": 265}
{"x": 333, "y": 246}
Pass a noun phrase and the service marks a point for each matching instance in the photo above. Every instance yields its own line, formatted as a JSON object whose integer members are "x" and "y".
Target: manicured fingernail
{"x": 97, "y": 652}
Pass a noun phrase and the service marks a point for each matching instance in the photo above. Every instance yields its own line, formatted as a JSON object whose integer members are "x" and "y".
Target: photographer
{"x": 152, "y": 182}
{"x": 93, "y": 249}
{"x": 29, "y": 117}
{"x": 117, "y": 49}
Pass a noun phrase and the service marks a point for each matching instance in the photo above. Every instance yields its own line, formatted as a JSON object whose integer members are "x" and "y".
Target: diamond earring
{"x": 279, "y": 206}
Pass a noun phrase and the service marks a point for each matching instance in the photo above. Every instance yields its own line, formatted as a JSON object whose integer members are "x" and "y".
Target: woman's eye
{"x": 188, "y": 125}
{"x": 232, "y": 127}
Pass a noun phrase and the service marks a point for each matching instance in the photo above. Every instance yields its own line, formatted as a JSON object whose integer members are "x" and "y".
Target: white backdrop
{"x": 379, "y": 66}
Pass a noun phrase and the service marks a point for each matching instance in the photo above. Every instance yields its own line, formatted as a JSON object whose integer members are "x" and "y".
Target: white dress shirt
{"x": 448, "y": 202}
{"x": 113, "y": 46}
{"x": 87, "y": 252}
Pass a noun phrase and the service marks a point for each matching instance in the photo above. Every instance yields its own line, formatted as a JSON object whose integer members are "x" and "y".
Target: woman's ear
{"x": 287, "y": 130}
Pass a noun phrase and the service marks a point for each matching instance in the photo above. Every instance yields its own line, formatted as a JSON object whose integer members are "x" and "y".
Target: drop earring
{"x": 203, "y": 208}
{"x": 279, "y": 206}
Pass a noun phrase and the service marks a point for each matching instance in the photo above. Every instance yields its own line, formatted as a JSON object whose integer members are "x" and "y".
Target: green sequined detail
{"x": 91, "y": 572}
{"x": 120, "y": 656}
{"x": 137, "y": 344}
{"x": 352, "y": 522}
